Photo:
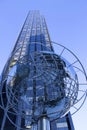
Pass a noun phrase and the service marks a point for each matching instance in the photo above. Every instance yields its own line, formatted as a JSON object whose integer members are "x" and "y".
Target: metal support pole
{"x": 43, "y": 123}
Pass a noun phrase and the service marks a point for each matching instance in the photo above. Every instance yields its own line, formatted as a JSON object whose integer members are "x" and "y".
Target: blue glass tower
{"x": 28, "y": 83}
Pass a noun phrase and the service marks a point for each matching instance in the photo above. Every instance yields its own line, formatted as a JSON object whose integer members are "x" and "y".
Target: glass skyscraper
{"x": 25, "y": 77}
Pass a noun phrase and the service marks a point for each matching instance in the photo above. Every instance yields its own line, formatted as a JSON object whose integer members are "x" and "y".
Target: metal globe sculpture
{"x": 44, "y": 83}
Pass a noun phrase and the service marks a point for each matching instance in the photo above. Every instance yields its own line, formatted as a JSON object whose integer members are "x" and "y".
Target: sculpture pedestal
{"x": 43, "y": 123}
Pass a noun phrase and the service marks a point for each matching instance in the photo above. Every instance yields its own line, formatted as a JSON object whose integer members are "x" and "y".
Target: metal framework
{"x": 43, "y": 85}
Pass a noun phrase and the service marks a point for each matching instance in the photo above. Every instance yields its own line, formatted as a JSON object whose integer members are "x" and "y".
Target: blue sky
{"x": 67, "y": 25}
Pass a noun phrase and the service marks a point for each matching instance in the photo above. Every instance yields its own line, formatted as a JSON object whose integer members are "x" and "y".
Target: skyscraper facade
{"x": 25, "y": 79}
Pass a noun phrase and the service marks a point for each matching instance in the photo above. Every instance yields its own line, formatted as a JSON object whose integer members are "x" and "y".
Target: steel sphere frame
{"x": 77, "y": 66}
{"x": 80, "y": 69}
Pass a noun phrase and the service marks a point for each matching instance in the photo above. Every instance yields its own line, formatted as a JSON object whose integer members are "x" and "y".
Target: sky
{"x": 67, "y": 25}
